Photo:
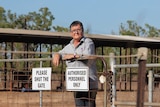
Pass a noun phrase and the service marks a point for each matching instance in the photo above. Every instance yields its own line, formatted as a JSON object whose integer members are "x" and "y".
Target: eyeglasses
{"x": 76, "y": 30}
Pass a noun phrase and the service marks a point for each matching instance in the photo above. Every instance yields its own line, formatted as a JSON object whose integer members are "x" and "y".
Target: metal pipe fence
{"x": 19, "y": 83}
{"x": 57, "y": 95}
{"x": 116, "y": 102}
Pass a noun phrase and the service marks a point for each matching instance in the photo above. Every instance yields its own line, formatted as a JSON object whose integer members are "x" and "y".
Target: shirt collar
{"x": 81, "y": 41}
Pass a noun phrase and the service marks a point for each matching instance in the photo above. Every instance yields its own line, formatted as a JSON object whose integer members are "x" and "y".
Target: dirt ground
{"x": 62, "y": 99}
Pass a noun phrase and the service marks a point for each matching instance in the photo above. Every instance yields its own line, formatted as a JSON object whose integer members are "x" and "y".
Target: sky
{"x": 100, "y": 16}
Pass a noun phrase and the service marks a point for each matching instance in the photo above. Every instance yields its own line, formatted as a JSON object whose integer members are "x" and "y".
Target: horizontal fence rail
{"x": 135, "y": 65}
{"x": 126, "y": 103}
{"x": 25, "y": 59}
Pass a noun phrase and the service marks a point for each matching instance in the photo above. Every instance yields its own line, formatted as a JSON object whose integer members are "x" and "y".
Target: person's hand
{"x": 56, "y": 59}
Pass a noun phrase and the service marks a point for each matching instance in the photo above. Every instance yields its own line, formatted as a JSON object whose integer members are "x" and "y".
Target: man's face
{"x": 76, "y": 32}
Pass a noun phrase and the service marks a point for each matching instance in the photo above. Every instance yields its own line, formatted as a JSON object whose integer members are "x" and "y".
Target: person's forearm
{"x": 70, "y": 56}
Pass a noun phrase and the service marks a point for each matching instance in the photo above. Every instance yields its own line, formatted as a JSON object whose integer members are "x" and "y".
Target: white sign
{"x": 77, "y": 79}
{"x": 41, "y": 78}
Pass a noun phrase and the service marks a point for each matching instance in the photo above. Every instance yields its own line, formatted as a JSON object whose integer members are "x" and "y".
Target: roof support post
{"x": 142, "y": 57}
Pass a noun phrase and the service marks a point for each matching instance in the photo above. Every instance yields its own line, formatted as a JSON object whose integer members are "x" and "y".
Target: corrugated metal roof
{"x": 36, "y": 36}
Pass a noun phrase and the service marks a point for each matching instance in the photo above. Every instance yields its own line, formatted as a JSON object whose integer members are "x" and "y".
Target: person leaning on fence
{"x": 78, "y": 46}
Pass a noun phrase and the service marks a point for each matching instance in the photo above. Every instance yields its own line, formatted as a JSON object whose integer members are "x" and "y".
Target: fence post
{"x": 41, "y": 93}
{"x": 142, "y": 57}
{"x": 112, "y": 63}
{"x": 150, "y": 86}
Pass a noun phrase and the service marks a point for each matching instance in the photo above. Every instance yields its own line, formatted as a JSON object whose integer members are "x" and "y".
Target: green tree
{"x": 60, "y": 29}
{"x": 152, "y": 31}
{"x": 40, "y": 21}
{"x": 3, "y": 18}
{"x": 132, "y": 29}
